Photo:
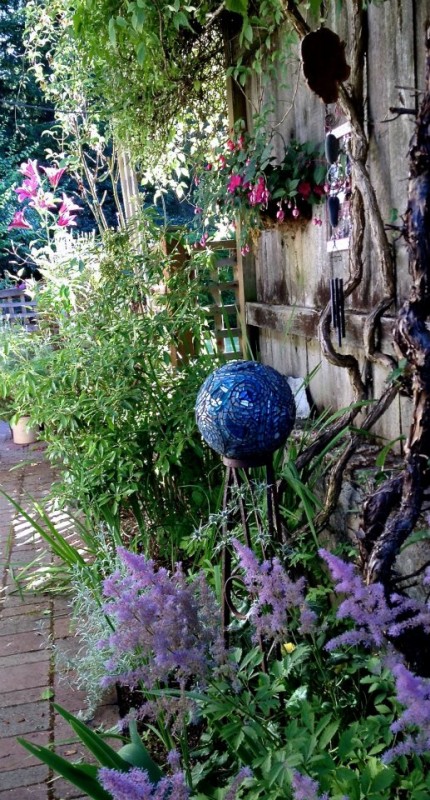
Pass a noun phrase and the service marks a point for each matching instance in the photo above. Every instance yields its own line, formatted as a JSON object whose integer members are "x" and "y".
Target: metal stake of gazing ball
{"x": 245, "y": 411}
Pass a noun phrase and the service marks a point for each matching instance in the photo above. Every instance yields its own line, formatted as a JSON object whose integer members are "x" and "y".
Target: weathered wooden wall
{"x": 292, "y": 267}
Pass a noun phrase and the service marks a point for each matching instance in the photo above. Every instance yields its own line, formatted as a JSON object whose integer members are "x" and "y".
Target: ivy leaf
{"x": 112, "y": 31}
{"x": 141, "y": 53}
{"x": 237, "y": 6}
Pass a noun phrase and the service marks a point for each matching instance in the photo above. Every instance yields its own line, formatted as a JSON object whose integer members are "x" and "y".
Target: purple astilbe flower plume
{"x": 275, "y": 597}
{"x": 243, "y": 774}
{"x": 135, "y": 785}
{"x": 375, "y": 619}
{"x": 168, "y": 629}
{"x": 305, "y": 788}
{"x": 413, "y": 692}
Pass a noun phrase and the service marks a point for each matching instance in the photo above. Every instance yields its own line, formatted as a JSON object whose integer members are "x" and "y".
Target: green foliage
{"x": 84, "y": 775}
{"x": 118, "y": 417}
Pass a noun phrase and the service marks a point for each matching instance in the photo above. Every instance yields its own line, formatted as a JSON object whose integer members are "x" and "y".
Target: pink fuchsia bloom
{"x": 319, "y": 190}
{"x": 234, "y": 183}
{"x": 18, "y": 221}
{"x": 304, "y": 189}
{"x": 30, "y": 170}
{"x": 240, "y": 142}
{"x": 245, "y": 249}
{"x": 295, "y": 212}
{"x": 198, "y": 210}
{"x": 28, "y": 190}
{"x": 222, "y": 161}
{"x": 54, "y": 174}
{"x": 204, "y": 239}
{"x": 280, "y": 215}
{"x": 259, "y": 193}
{"x": 230, "y": 145}
{"x": 208, "y": 167}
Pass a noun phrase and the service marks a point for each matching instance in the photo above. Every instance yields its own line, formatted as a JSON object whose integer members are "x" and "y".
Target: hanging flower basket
{"x": 249, "y": 182}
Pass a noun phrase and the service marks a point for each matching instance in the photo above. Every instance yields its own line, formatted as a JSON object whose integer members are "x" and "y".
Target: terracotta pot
{"x": 21, "y": 433}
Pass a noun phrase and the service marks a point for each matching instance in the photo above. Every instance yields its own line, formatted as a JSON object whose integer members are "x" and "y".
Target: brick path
{"x": 29, "y": 683}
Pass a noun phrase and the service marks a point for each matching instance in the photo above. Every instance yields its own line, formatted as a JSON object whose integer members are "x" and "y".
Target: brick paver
{"x": 29, "y": 680}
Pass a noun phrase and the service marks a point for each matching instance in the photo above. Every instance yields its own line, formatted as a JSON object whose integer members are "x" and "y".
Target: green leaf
{"x": 383, "y": 780}
{"x": 328, "y": 733}
{"x": 106, "y": 755}
{"x": 141, "y": 53}
{"x": 237, "y": 6}
{"x": 136, "y": 754}
{"x": 112, "y": 31}
{"x": 77, "y": 775}
{"x": 47, "y": 694}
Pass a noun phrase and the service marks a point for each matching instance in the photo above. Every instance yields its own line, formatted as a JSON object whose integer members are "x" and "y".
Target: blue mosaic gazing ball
{"x": 245, "y": 410}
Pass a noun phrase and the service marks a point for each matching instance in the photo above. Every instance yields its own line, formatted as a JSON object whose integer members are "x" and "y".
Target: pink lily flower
{"x": 68, "y": 205}
{"x": 54, "y": 174}
{"x": 65, "y": 219}
{"x": 28, "y": 190}
{"x": 19, "y": 221}
{"x": 43, "y": 200}
{"x": 30, "y": 170}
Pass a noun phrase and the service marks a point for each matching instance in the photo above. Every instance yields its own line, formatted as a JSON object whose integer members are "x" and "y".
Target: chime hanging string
{"x": 337, "y": 301}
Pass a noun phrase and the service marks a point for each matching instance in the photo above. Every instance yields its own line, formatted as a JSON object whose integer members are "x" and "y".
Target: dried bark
{"x": 385, "y": 529}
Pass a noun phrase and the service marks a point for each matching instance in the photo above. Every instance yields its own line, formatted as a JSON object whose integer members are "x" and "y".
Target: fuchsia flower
{"x": 259, "y": 193}
{"x": 18, "y": 221}
{"x": 208, "y": 167}
{"x": 319, "y": 190}
{"x": 222, "y": 161}
{"x": 230, "y": 145}
{"x": 54, "y": 174}
{"x": 240, "y": 142}
{"x": 295, "y": 212}
{"x": 234, "y": 183}
{"x": 280, "y": 215}
{"x": 304, "y": 188}
{"x": 204, "y": 239}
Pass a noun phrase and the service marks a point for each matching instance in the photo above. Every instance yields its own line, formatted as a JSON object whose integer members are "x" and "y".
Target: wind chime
{"x": 245, "y": 411}
{"x": 338, "y": 184}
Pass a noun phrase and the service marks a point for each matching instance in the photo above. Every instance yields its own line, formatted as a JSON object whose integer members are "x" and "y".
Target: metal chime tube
{"x": 337, "y": 303}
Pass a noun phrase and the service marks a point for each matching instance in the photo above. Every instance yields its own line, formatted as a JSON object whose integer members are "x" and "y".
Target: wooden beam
{"x": 303, "y": 321}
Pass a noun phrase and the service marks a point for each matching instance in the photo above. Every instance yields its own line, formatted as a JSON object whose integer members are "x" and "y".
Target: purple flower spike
{"x": 135, "y": 785}
{"x": 305, "y": 788}
{"x": 275, "y": 597}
